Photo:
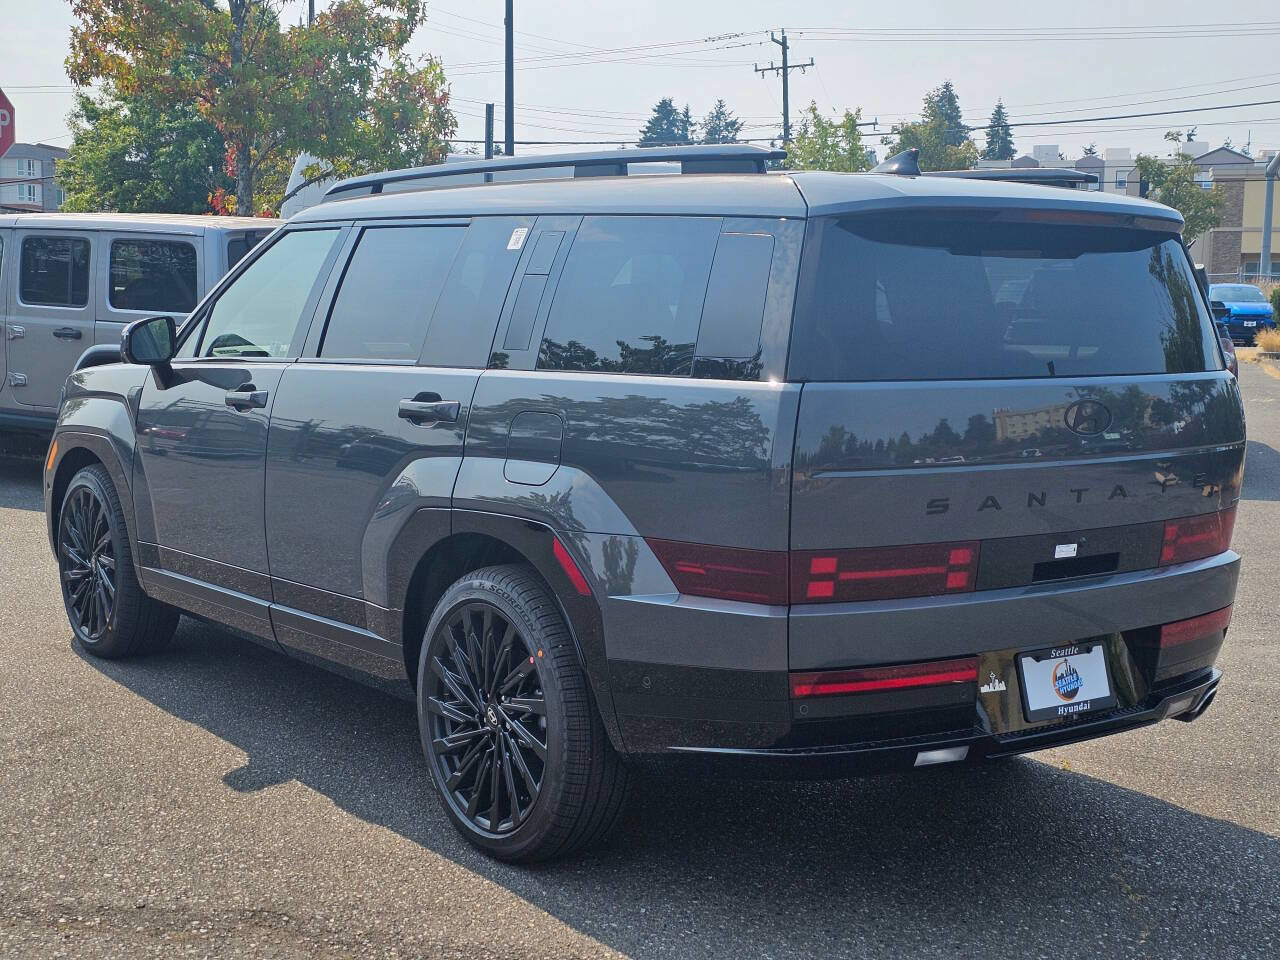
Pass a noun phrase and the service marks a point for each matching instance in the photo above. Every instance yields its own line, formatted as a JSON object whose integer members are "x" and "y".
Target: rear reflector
{"x": 927, "y": 758}
{"x": 1184, "y": 631}
{"x": 874, "y": 679}
{"x": 880, "y": 573}
{"x": 727, "y": 573}
{"x": 570, "y": 568}
{"x": 1194, "y": 538}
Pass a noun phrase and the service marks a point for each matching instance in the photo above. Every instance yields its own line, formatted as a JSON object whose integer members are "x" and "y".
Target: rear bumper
{"x": 1186, "y": 700}
{"x": 718, "y": 688}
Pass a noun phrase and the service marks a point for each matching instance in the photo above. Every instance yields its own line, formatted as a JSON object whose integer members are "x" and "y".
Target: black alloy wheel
{"x": 87, "y": 559}
{"x": 488, "y": 718}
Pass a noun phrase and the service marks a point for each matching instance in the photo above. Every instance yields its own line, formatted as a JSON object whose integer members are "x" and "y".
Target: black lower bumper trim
{"x": 1186, "y": 700}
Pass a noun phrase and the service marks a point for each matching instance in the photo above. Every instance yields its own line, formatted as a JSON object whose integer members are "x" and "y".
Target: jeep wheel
{"x": 521, "y": 759}
{"x": 109, "y": 613}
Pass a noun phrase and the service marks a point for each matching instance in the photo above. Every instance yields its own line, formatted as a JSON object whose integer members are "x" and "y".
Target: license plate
{"x": 1064, "y": 682}
{"x": 1250, "y": 323}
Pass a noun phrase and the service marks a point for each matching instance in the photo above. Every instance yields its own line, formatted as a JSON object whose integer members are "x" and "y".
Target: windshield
{"x": 913, "y": 296}
{"x": 1236, "y": 293}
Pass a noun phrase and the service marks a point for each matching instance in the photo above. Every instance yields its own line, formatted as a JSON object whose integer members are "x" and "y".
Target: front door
{"x": 52, "y": 320}
{"x": 202, "y": 427}
{"x": 368, "y": 426}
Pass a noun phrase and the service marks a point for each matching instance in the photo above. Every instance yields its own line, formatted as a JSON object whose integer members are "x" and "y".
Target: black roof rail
{"x": 1041, "y": 176}
{"x": 708, "y": 158}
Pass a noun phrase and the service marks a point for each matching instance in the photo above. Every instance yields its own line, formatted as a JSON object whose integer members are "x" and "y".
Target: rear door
{"x": 368, "y": 426}
{"x": 52, "y": 320}
{"x": 1039, "y": 395}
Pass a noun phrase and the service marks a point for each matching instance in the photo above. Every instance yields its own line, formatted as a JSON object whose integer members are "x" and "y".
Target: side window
{"x": 735, "y": 296}
{"x": 388, "y": 291}
{"x": 54, "y": 271}
{"x": 630, "y": 297}
{"x": 158, "y": 276}
{"x": 257, "y": 315}
{"x": 238, "y": 246}
{"x": 466, "y": 316}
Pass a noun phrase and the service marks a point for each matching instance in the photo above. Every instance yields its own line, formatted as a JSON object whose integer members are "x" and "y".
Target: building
{"x": 1233, "y": 249}
{"x": 27, "y": 172}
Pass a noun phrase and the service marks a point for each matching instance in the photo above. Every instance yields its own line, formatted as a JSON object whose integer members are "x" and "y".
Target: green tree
{"x": 131, "y": 156}
{"x": 720, "y": 125}
{"x": 940, "y": 136}
{"x": 271, "y": 91}
{"x": 666, "y": 126}
{"x": 826, "y": 144}
{"x": 1091, "y": 150}
{"x": 1173, "y": 183}
{"x": 999, "y": 136}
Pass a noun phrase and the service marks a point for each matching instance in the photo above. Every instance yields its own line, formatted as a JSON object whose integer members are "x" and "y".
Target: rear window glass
{"x": 630, "y": 298}
{"x": 153, "y": 275}
{"x": 911, "y": 297}
{"x": 54, "y": 271}
{"x": 1237, "y": 293}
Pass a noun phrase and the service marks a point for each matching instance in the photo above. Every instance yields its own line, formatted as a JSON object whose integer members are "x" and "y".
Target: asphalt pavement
{"x": 222, "y": 800}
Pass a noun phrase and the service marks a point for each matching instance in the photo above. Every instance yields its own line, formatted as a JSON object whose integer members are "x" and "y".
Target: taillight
{"x": 570, "y": 568}
{"x": 879, "y": 573}
{"x": 901, "y": 676}
{"x": 1184, "y": 631}
{"x": 1193, "y": 538}
{"x": 727, "y": 573}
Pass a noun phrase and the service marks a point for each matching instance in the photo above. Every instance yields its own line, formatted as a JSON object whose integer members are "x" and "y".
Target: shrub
{"x": 1268, "y": 341}
{"x": 1275, "y": 300}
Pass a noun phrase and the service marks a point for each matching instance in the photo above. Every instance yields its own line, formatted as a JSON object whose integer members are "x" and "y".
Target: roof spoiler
{"x": 701, "y": 158}
{"x": 907, "y": 164}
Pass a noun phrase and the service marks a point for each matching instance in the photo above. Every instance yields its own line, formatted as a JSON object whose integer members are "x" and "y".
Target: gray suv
{"x": 730, "y": 471}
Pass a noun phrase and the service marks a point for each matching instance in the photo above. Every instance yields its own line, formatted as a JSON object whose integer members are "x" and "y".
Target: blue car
{"x": 1250, "y": 311}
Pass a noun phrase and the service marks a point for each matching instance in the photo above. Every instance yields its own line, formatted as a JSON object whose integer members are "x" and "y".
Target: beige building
{"x": 1234, "y": 249}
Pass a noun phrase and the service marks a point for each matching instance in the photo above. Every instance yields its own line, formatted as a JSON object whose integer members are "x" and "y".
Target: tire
{"x": 520, "y": 734}
{"x": 111, "y": 616}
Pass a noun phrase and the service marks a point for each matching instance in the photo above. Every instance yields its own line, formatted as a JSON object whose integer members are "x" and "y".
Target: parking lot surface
{"x": 224, "y": 800}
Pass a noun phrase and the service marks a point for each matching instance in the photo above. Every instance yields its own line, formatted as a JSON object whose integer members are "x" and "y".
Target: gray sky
{"x": 1111, "y": 58}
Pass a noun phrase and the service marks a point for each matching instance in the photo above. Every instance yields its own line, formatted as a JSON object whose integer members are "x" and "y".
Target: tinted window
{"x": 388, "y": 291}
{"x": 735, "y": 296}
{"x": 154, "y": 275}
{"x": 238, "y": 246}
{"x": 257, "y": 315}
{"x": 922, "y": 297}
{"x": 630, "y": 297}
{"x": 55, "y": 271}
{"x": 462, "y": 328}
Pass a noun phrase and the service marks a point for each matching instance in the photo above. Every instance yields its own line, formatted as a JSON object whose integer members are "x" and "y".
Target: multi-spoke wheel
{"x": 108, "y": 611}
{"x": 488, "y": 718}
{"x": 510, "y": 731}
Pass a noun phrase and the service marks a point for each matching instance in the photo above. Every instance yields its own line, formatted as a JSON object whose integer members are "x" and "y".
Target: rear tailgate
{"x": 1033, "y": 401}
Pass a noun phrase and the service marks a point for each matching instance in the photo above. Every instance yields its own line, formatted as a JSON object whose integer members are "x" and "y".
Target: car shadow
{"x": 20, "y": 484}
{"x": 1261, "y": 472}
{"x": 1019, "y": 856}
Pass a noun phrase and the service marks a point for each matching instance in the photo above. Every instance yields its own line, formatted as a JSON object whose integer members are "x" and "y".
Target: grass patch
{"x": 1268, "y": 341}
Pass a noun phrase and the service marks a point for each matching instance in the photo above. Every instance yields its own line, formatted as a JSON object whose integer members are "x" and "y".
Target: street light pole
{"x": 1268, "y": 209}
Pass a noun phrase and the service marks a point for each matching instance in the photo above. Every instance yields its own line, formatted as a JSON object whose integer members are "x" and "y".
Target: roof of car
{"x": 138, "y": 222}
{"x": 786, "y": 194}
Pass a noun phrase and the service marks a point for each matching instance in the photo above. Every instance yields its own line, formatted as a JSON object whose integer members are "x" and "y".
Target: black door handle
{"x": 246, "y": 397}
{"x": 67, "y": 333}
{"x": 429, "y": 408}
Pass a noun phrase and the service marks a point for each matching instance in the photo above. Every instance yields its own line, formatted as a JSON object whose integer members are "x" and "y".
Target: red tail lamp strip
{"x": 727, "y": 573}
{"x": 1194, "y": 538}
{"x": 1184, "y": 631}
{"x": 875, "y": 679}
{"x": 570, "y": 569}
{"x": 880, "y": 573}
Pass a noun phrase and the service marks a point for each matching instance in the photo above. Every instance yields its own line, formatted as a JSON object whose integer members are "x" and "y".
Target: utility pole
{"x": 784, "y": 71}
{"x": 311, "y": 12}
{"x": 1268, "y": 222}
{"x": 509, "y": 117}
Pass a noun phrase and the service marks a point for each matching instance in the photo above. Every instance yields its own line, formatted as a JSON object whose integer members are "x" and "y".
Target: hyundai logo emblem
{"x": 1088, "y": 418}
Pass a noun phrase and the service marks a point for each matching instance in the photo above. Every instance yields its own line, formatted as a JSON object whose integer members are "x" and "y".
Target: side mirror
{"x": 150, "y": 342}
{"x": 1219, "y": 310}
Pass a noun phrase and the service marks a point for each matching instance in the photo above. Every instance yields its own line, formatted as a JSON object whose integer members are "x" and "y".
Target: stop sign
{"x": 6, "y": 123}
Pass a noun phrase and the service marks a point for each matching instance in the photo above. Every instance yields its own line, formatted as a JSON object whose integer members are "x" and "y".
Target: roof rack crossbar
{"x": 709, "y": 158}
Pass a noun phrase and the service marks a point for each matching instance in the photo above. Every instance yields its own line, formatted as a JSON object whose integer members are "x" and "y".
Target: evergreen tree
{"x": 667, "y": 125}
{"x": 999, "y": 136}
{"x": 940, "y": 136}
{"x": 1091, "y": 150}
{"x": 942, "y": 107}
{"x": 720, "y": 125}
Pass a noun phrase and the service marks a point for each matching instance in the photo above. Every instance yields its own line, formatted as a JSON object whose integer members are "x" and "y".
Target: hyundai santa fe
{"x": 724, "y": 471}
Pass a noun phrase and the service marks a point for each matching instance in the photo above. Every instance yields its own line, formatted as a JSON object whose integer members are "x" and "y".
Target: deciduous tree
{"x": 826, "y": 144}
{"x": 1173, "y": 183}
{"x": 329, "y": 89}
{"x": 940, "y": 136}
